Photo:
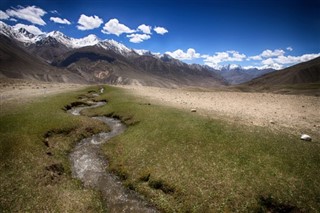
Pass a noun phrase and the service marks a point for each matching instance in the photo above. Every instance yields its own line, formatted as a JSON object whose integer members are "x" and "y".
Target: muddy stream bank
{"x": 90, "y": 166}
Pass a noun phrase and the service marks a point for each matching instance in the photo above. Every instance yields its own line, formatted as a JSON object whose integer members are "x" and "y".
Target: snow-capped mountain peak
{"x": 229, "y": 67}
{"x": 89, "y": 40}
{"x": 116, "y": 46}
{"x": 24, "y": 36}
{"x": 19, "y": 33}
{"x": 5, "y": 29}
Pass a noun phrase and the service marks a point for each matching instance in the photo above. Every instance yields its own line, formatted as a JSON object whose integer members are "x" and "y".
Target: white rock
{"x": 305, "y": 137}
{"x": 193, "y": 110}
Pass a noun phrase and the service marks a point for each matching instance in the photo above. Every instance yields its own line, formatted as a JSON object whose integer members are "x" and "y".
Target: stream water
{"x": 89, "y": 165}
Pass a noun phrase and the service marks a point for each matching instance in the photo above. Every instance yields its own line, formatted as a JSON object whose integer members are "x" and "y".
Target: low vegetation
{"x": 180, "y": 161}
{"x": 35, "y": 140}
{"x": 187, "y": 163}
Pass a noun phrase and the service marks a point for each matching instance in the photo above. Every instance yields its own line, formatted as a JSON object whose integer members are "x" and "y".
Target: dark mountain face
{"x": 47, "y": 48}
{"x": 303, "y": 73}
{"x": 75, "y": 57}
{"x": 18, "y": 63}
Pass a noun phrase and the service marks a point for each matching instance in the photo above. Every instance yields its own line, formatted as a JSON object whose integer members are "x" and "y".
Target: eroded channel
{"x": 89, "y": 165}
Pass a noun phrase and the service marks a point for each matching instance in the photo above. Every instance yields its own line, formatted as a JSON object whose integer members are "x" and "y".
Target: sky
{"x": 250, "y": 33}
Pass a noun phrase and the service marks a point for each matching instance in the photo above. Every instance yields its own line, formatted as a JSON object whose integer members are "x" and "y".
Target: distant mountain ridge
{"x": 106, "y": 61}
{"x": 303, "y": 73}
{"x": 235, "y": 74}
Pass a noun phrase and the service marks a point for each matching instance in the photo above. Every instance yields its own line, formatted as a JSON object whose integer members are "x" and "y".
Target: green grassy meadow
{"x": 35, "y": 174}
{"x": 180, "y": 161}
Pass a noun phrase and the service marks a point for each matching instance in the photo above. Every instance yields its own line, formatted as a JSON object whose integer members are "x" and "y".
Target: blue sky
{"x": 261, "y": 33}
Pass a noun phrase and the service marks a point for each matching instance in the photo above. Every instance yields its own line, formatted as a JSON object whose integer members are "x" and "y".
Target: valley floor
{"x": 24, "y": 90}
{"x": 293, "y": 113}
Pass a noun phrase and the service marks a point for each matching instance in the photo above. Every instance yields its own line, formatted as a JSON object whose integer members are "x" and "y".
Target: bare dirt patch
{"x": 293, "y": 113}
{"x": 24, "y": 90}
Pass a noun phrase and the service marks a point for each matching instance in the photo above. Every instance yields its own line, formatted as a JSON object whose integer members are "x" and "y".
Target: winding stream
{"x": 89, "y": 166}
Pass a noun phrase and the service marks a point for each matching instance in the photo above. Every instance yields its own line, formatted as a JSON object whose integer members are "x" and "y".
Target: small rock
{"x": 272, "y": 122}
{"x": 193, "y": 110}
{"x": 305, "y": 137}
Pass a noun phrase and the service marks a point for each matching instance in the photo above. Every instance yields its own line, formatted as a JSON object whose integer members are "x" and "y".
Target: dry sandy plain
{"x": 291, "y": 113}
{"x": 24, "y": 90}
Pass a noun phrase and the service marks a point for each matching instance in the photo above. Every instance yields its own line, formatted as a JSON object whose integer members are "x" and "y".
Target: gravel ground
{"x": 292, "y": 113}
{"x": 24, "y": 90}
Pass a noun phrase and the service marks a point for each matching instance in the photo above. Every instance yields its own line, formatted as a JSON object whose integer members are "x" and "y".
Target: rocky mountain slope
{"x": 303, "y": 73}
{"x": 235, "y": 74}
{"x": 99, "y": 61}
{"x": 15, "y": 62}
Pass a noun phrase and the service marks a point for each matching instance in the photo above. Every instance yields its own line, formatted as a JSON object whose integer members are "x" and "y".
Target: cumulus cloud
{"x": 3, "y": 15}
{"x": 89, "y": 22}
{"x": 180, "y": 55}
{"x": 270, "y": 53}
{"x": 30, "y": 28}
{"x": 113, "y": 26}
{"x": 138, "y": 38}
{"x": 60, "y": 20}
{"x": 295, "y": 59}
{"x": 32, "y": 14}
{"x": 289, "y": 48}
{"x": 160, "y": 30}
{"x": 219, "y": 57}
{"x": 145, "y": 29}
{"x": 256, "y": 58}
{"x": 282, "y": 61}
{"x": 267, "y": 54}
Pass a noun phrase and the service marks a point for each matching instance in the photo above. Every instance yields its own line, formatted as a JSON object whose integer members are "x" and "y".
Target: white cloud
{"x": 267, "y": 54}
{"x": 89, "y": 22}
{"x": 270, "y": 53}
{"x": 224, "y": 56}
{"x": 274, "y": 66}
{"x": 113, "y": 26}
{"x": 256, "y": 58}
{"x": 295, "y": 59}
{"x": 282, "y": 61}
{"x": 160, "y": 30}
{"x": 145, "y": 29}
{"x": 180, "y": 55}
{"x": 60, "y": 20}
{"x": 30, "y": 28}
{"x": 137, "y": 38}
{"x": 219, "y": 57}
{"x": 289, "y": 48}
{"x": 3, "y": 15}
{"x": 13, "y": 19}
{"x": 32, "y": 14}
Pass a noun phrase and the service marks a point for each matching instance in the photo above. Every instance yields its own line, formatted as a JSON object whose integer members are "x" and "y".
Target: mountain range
{"x": 56, "y": 57}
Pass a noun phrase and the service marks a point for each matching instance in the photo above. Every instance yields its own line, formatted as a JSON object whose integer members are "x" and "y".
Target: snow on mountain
{"x": 5, "y": 29}
{"x": 116, "y": 46}
{"x": 229, "y": 67}
{"x": 142, "y": 52}
{"x": 19, "y": 34}
{"x": 89, "y": 40}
